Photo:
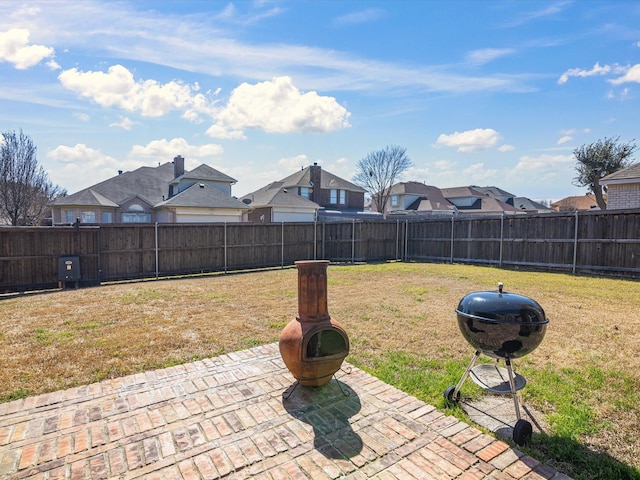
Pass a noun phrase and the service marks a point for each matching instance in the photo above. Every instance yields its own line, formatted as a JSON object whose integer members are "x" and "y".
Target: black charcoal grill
{"x": 502, "y": 326}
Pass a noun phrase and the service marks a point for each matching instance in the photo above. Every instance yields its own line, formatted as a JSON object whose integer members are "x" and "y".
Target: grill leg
{"x": 512, "y": 384}
{"x": 466, "y": 374}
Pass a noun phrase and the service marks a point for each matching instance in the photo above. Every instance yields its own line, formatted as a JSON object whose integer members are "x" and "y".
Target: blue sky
{"x": 478, "y": 92}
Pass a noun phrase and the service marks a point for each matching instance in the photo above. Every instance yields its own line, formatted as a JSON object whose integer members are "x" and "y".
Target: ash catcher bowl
{"x": 313, "y": 345}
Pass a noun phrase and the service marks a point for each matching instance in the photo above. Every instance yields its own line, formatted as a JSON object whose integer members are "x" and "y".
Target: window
{"x": 304, "y": 192}
{"x": 136, "y": 218}
{"x": 394, "y": 200}
{"x": 106, "y": 217}
{"x": 71, "y": 216}
{"x": 136, "y": 214}
{"x": 88, "y": 217}
{"x": 338, "y": 197}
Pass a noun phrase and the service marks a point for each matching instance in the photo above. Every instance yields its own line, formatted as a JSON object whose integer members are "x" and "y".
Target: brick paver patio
{"x": 226, "y": 417}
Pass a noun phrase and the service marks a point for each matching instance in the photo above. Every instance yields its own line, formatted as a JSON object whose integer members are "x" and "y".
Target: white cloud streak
{"x": 470, "y": 140}
{"x": 579, "y": 72}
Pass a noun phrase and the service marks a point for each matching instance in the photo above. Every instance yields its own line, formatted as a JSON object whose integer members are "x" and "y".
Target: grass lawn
{"x": 584, "y": 377}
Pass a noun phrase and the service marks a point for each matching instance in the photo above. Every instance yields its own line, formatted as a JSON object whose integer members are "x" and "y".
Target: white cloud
{"x": 81, "y": 158}
{"x": 543, "y": 166}
{"x": 167, "y": 149}
{"x": 124, "y": 123}
{"x": 564, "y": 139}
{"x": 291, "y": 164}
{"x": 631, "y": 75}
{"x": 479, "y": 174}
{"x": 15, "y": 48}
{"x": 579, "y": 72}
{"x": 118, "y": 88}
{"x": 277, "y": 106}
{"x": 506, "y": 148}
{"x": 470, "y": 140}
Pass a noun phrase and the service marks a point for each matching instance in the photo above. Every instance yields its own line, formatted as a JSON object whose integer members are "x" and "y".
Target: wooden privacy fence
{"x": 587, "y": 242}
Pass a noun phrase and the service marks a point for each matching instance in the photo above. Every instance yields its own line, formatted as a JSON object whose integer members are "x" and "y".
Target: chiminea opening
{"x": 313, "y": 345}
{"x": 325, "y": 343}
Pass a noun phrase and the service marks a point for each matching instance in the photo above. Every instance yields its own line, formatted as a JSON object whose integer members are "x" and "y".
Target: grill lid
{"x": 501, "y": 307}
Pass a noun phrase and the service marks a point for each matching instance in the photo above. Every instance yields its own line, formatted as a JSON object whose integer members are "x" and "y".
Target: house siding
{"x": 623, "y": 196}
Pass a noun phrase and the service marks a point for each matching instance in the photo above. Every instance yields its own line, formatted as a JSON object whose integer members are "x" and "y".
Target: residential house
{"x": 470, "y": 200}
{"x": 166, "y": 194}
{"x": 522, "y": 203}
{"x": 623, "y": 188}
{"x": 326, "y": 194}
{"x": 418, "y": 199}
{"x": 275, "y": 203}
{"x": 576, "y": 203}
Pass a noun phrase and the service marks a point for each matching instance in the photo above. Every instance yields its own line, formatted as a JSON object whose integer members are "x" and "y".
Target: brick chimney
{"x": 178, "y": 166}
{"x": 315, "y": 176}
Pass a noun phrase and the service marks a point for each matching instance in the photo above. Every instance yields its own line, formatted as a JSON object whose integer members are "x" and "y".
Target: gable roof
{"x": 147, "y": 183}
{"x": 88, "y": 198}
{"x": 631, "y": 174}
{"x": 328, "y": 181}
{"x": 202, "y": 195}
{"x": 276, "y": 195}
{"x": 205, "y": 173}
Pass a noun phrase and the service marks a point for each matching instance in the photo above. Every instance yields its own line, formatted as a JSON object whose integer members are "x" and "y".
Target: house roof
{"x": 631, "y": 174}
{"x": 461, "y": 192}
{"x": 581, "y": 202}
{"x": 430, "y": 198}
{"x": 487, "y": 204}
{"x": 328, "y": 181}
{"x": 524, "y": 203}
{"x": 87, "y": 197}
{"x": 493, "y": 191}
{"x": 146, "y": 183}
{"x": 201, "y": 194}
{"x": 205, "y": 173}
{"x": 276, "y": 195}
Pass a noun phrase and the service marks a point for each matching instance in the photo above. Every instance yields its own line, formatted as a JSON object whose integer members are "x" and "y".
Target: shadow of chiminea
{"x": 327, "y": 409}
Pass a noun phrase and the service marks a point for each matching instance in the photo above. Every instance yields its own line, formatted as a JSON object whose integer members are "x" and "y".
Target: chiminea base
{"x": 289, "y": 391}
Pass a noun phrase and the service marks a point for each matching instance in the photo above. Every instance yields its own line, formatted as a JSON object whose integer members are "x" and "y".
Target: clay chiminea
{"x": 313, "y": 345}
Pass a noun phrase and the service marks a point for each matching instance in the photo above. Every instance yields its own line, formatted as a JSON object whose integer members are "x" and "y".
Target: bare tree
{"x": 25, "y": 189}
{"x": 379, "y": 170}
{"x": 598, "y": 160}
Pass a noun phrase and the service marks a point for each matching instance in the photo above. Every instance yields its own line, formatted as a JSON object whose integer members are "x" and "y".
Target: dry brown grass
{"x": 56, "y": 340}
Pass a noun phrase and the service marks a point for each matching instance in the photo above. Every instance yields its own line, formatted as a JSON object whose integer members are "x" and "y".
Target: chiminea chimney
{"x": 178, "y": 166}
{"x": 315, "y": 174}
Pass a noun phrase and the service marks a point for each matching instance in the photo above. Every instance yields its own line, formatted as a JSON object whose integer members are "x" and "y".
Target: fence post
{"x": 156, "y": 240}
{"x": 452, "y": 221}
{"x": 501, "y": 237}
{"x": 315, "y": 238}
{"x": 575, "y": 245}
{"x": 282, "y": 245}
{"x": 406, "y": 240}
{"x": 353, "y": 242}
{"x": 397, "y": 239}
{"x": 225, "y": 247}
